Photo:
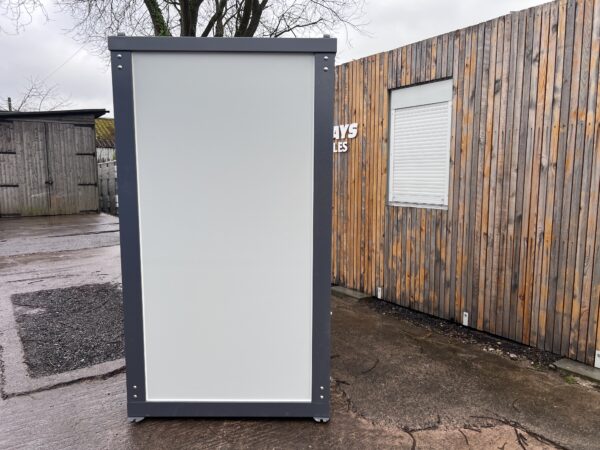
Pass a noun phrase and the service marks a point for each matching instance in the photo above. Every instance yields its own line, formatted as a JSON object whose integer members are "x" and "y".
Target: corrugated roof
{"x": 105, "y": 133}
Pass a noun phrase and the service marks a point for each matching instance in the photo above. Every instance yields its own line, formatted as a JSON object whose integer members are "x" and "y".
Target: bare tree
{"x": 97, "y": 19}
{"x": 36, "y": 96}
{"x": 15, "y": 15}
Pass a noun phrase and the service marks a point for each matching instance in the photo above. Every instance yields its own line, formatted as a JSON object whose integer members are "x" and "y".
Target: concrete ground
{"x": 396, "y": 382}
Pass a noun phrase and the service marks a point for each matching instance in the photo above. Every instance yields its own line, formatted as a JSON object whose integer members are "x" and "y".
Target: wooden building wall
{"x": 48, "y": 166}
{"x": 518, "y": 247}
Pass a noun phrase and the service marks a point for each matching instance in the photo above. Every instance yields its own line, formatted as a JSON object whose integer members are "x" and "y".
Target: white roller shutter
{"x": 420, "y": 146}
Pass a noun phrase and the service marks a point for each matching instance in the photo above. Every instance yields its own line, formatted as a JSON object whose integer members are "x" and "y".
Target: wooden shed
{"x": 48, "y": 162}
{"x": 466, "y": 177}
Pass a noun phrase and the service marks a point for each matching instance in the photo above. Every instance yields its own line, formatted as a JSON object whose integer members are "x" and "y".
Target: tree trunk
{"x": 158, "y": 21}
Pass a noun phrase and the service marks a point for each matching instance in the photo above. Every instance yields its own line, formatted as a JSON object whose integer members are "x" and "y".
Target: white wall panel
{"x": 225, "y": 190}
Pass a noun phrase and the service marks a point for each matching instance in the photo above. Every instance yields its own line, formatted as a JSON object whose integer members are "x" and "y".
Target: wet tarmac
{"x": 395, "y": 382}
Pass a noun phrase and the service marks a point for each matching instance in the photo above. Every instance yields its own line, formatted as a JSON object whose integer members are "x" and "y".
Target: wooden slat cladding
{"x": 518, "y": 247}
{"x": 47, "y": 167}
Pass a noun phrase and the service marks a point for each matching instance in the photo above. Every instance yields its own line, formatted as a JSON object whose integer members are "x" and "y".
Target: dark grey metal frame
{"x": 121, "y": 58}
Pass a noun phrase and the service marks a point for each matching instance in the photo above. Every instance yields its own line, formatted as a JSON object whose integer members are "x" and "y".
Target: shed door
{"x": 87, "y": 169}
{"x": 9, "y": 176}
{"x": 31, "y": 169}
{"x": 47, "y": 168}
{"x": 62, "y": 168}
{"x": 72, "y": 168}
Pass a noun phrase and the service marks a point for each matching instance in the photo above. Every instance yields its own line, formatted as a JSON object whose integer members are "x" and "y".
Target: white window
{"x": 420, "y": 145}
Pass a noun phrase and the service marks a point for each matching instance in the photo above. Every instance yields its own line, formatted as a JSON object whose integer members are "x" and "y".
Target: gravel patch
{"x": 70, "y": 328}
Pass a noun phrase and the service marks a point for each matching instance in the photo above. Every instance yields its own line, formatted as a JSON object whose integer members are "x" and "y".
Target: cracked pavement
{"x": 394, "y": 383}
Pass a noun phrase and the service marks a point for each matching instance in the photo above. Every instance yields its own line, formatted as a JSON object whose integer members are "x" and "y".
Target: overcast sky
{"x": 46, "y": 51}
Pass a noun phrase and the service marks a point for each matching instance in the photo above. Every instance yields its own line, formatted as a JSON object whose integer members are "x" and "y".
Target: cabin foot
{"x": 135, "y": 419}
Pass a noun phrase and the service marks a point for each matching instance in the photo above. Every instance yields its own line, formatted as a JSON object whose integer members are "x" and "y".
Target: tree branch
{"x": 257, "y": 10}
{"x": 37, "y": 96}
{"x": 158, "y": 20}
{"x": 96, "y": 19}
{"x": 245, "y": 18}
{"x": 216, "y": 20}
